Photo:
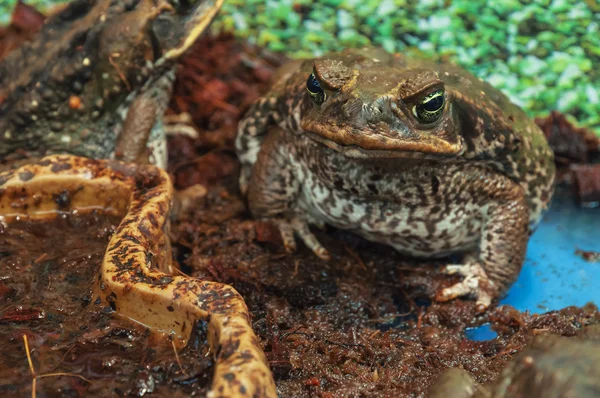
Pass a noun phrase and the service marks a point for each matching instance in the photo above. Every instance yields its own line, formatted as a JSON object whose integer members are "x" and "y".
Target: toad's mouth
{"x": 365, "y": 148}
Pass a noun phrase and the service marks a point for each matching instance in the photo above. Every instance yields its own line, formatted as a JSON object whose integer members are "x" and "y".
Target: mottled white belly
{"x": 411, "y": 228}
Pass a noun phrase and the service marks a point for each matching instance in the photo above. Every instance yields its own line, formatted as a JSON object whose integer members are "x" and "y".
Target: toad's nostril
{"x": 380, "y": 106}
{"x": 352, "y": 108}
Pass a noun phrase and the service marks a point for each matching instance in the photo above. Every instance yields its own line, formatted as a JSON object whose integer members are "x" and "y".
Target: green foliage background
{"x": 545, "y": 54}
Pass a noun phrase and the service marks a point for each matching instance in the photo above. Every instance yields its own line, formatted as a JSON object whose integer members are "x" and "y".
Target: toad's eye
{"x": 315, "y": 90}
{"x": 430, "y": 107}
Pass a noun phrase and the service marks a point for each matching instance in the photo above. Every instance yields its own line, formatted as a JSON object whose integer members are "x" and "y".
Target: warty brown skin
{"x": 97, "y": 79}
{"x": 475, "y": 181}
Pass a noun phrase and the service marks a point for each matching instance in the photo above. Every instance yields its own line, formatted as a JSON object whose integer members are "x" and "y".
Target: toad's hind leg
{"x": 496, "y": 265}
{"x": 273, "y": 193}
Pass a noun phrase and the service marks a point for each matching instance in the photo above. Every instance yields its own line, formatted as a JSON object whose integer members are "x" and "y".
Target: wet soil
{"x": 46, "y": 275}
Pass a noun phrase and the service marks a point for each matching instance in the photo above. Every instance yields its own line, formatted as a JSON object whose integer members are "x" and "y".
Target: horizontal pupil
{"x": 434, "y": 103}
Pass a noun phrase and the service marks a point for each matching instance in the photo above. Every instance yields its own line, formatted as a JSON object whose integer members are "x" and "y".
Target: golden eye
{"x": 430, "y": 107}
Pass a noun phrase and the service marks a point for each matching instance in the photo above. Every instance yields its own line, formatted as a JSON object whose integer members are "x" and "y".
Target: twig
{"x": 507, "y": 351}
{"x": 345, "y": 345}
{"x": 31, "y": 368}
{"x": 40, "y": 258}
{"x": 34, "y": 377}
{"x": 64, "y": 374}
{"x": 119, "y": 72}
{"x": 177, "y": 357}
{"x": 356, "y": 257}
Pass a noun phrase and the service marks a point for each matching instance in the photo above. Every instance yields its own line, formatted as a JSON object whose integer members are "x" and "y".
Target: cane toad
{"x": 97, "y": 79}
{"x": 412, "y": 153}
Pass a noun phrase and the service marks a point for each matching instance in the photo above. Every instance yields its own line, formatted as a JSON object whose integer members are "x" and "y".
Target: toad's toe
{"x": 186, "y": 200}
{"x": 287, "y": 235}
{"x": 299, "y": 226}
{"x": 475, "y": 283}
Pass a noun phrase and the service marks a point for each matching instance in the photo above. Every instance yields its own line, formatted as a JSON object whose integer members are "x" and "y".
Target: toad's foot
{"x": 297, "y": 225}
{"x": 180, "y": 124}
{"x": 475, "y": 283}
{"x": 185, "y": 200}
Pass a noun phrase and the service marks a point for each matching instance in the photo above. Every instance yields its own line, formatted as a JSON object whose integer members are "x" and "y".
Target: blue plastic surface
{"x": 481, "y": 333}
{"x": 553, "y": 276}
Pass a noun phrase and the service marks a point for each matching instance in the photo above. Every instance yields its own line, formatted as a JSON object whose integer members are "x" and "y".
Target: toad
{"x": 97, "y": 79}
{"x": 416, "y": 154}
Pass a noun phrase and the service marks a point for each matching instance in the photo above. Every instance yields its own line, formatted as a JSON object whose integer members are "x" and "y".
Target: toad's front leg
{"x": 490, "y": 270}
{"x": 273, "y": 194}
{"x": 142, "y": 139}
{"x": 132, "y": 142}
